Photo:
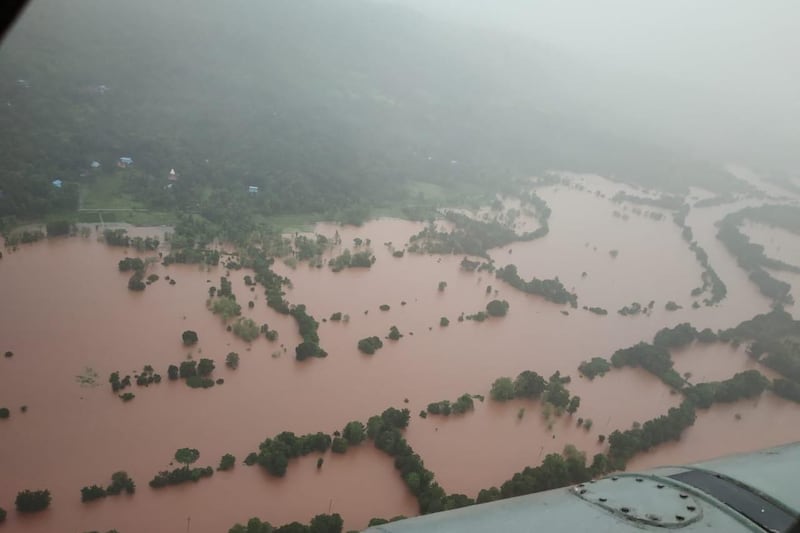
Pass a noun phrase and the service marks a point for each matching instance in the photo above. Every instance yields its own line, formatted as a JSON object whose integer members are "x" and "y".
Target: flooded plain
{"x": 67, "y": 307}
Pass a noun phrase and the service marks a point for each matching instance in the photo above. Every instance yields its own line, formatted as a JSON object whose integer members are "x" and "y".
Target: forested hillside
{"x": 322, "y": 104}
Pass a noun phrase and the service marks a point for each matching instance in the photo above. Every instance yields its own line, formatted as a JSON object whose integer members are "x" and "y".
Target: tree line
{"x": 470, "y": 237}
{"x": 321, "y": 523}
{"x": 751, "y": 257}
{"x": 551, "y": 289}
{"x": 711, "y": 281}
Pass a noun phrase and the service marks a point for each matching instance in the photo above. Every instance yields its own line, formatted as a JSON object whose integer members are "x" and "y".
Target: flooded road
{"x": 71, "y": 309}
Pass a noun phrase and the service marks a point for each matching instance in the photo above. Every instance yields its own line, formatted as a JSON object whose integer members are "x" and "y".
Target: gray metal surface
{"x": 774, "y": 471}
{"x": 757, "y": 507}
{"x": 643, "y": 500}
{"x": 650, "y": 501}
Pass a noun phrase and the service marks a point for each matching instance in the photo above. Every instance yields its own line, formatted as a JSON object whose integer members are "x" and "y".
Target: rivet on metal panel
{"x": 691, "y": 507}
{"x": 624, "y": 509}
{"x": 679, "y": 518}
{"x": 684, "y": 496}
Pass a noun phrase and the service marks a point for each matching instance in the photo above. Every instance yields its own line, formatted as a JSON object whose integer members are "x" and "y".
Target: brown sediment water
{"x": 72, "y": 310}
{"x": 761, "y": 423}
{"x": 716, "y": 361}
{"x": 485, "y": 448}
{"x": 778, "y": 243}
{"x": 66, "y": 307}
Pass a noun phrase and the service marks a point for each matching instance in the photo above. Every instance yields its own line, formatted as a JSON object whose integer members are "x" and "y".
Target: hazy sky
{"x": 671, "y": 37}
{"x": 739, "y": 60}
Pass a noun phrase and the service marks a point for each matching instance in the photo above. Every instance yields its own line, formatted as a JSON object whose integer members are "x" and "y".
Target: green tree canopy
{"x": 529, "y": 384}
{"x": 189, "y": 337}
{"x": 326, "y": 523}
{"x": 354, "y": 432}
{"x": 187, "y": 456}
{"x": 32, "y": 501}
{"x": 497, "y": 308}
{"x": 370, "y": 345}
{"x": 502, "y": 389}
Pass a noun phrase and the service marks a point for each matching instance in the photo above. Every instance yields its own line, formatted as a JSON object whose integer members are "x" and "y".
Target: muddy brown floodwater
{"x": 66, "y": 308}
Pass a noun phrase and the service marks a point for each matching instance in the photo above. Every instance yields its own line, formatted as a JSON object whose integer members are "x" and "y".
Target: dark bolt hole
{"x": 684, "y": 496}
{"x": 583, "y": 491}
{"x": 603, "y": 499}
{"x": 639, "y": 480}
{"x": 679, "y": 518}
{"x": 660, "y": 486}
{"x": 691, "y": 507}
{"x": 625, "y": 509}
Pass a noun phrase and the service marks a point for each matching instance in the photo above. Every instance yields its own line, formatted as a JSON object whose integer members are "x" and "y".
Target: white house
{"x": 124, "y": 162}
{"x": 57, "y": 183}
{"x": 252, "y": 189}
{"x": 95, "y": 164}
{"x": 172, "y": 175}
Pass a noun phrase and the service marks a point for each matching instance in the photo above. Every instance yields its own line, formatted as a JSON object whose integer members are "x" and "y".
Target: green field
{"x": 106, "y": 193}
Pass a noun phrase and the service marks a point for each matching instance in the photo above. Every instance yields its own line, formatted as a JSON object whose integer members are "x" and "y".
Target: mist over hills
{"x": 322, "y": 103}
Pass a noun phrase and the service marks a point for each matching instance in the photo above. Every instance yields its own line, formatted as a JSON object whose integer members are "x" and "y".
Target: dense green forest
{"x": 325, "y": 106}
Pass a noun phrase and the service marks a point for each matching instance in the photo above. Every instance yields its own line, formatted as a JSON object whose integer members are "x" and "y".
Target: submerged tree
{"x": 232, "y": 360}
{"x": 370, "y": 345}
{"x": 226, "y": 462}
{"x": 187, "y": 456}
{"x": 32, "y": 501}
{"x": 497, "y": 308}
{"x": 189, "y": 337}
{"x": 502, "y": 389}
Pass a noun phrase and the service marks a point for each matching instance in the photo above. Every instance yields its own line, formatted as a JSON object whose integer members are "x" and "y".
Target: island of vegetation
{"x": 463, "y": 404}
{"x": 32, "y": 501}
{"x": 197, "y": 374}
{"x": 471, "y": 236}
{"x": 362, "y": 259}
{"x": 189, "y": 337}
{"x": 227, "y": 462}
{"x": 185, "y": 456}
{"x": 120, "y": 481}
{"x": 528, "y": 384}
{"x": 370, "y": 345}
{"x": 597, "y": 366}
{"x": 551, "y": 289}
{"x": 274, "y": 453}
